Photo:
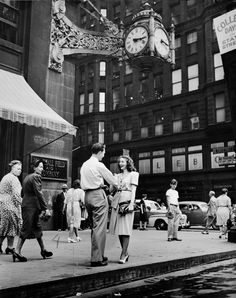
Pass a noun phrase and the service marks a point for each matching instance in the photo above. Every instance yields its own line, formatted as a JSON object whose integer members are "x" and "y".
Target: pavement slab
{"x": 68, "y": 271}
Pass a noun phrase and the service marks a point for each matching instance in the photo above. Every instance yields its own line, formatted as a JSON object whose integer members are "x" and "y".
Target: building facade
{"x": 175, "y": 122}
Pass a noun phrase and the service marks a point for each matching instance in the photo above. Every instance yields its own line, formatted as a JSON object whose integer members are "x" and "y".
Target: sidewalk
{"x": 69, "y": 271}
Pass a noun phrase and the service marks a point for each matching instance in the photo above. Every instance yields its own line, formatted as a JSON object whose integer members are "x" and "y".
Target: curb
{"x": 92, "y": 282}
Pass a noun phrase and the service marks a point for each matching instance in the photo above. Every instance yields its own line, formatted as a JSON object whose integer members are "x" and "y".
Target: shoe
{"x": 99, "y": 263}
{"x": 123, "y": 261}
{"x": 105, "y": 259}
{"x": 9, "y": 250}
{"x": 19, "y": 257}
{"x": 78, "y": 239}
{"x": 70, "y": 240}
{"x": 176, "y": 239}
{"x": 169, "y": 239}
{"x": 46, "y": 254}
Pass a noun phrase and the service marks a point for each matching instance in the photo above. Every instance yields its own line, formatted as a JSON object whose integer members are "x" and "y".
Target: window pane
{"x": 158, "y": 129}
{"x": 220, "y": 115}
{"x": 178, "y": 163}
{"x": 219, "y": 73}
{"x": 192, "y": 71}
{"x": 176, "y": 88}
{"x": 217, "y": 60}
{"x": 191, "y": 37}
{"x": 101, "y": 101}
{"x": 102, "y": 68}
{"x": 195, "y": 161}
{"x": 116, "y": 98}
{"x": 115, "y": 136}
{"x": 144, "y": 132}
{"x": 193, "y": 84}
{"x": 220, "y": 100}
{"x": 104, "y": 12}
{"x": 144, "y": 166}
{"x": 176, "y": 76}
{"x": 128, "y": 135}
{"x": 177, "y": 126}
{"x": 158, "y": 165}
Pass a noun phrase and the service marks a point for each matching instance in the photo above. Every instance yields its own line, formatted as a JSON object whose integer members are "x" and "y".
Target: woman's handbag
{"x": 169, "y": 215}
{"x": 123, "y": 208}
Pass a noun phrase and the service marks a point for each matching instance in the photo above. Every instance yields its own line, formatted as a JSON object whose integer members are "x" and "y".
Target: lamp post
{"x": 144, "y": 44}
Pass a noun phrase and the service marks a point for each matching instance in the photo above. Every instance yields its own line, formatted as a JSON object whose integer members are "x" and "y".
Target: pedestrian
{"x": 211, "y": 212}
{"x": 223, "y": 203}
{"x": 174, "y": 214}
{"x": 122, "y": 214}
{"x": 33, "y": 207}
{"x": 59, "y": 218}
{"x": 72, "y": 204}
{"x": 143, "y": 219}
{"x": 10, "y": 206}
{"x": 93, "y": 173}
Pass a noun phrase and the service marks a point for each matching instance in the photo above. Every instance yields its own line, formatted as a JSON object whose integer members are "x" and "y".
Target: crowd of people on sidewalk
{"x": 23, "y": 207}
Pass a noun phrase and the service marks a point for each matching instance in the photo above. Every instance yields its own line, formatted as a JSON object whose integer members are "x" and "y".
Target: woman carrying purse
{"x": 122, "y": 214}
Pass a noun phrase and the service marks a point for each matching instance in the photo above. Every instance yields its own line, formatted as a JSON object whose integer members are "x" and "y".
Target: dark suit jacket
{"x": 58, "y": 202}
{"x": 32, "y": 192}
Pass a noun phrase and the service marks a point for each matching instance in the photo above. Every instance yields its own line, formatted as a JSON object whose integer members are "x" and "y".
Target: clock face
{"x": 136, "y": 40}
{"x": 161, "y": 41}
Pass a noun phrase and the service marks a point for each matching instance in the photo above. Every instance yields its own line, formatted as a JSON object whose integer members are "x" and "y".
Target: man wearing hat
{"x": 59, "y": 219}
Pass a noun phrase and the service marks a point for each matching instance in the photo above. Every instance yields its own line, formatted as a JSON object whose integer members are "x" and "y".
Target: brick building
{"x": 174, "y": 122}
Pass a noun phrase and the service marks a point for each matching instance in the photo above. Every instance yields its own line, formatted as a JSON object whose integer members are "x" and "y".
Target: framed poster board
{"x": 54, "y": 168}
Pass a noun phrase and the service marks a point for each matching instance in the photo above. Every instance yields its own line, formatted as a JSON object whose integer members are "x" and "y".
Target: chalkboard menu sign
{"x": 55, "y": 169}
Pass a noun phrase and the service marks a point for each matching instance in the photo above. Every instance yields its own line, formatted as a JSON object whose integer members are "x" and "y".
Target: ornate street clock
{"x": 147, "y": 42}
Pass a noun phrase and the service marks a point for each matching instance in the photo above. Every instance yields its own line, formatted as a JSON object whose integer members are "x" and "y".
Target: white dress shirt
{"x": 93, "y": 173}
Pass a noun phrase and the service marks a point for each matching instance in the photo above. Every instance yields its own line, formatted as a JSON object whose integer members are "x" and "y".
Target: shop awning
{"x": 19, "y": 103}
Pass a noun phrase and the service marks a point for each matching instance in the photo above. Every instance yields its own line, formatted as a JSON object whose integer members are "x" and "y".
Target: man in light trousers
{"x": 93, "y": 173}
{"x": 172, "y": 197}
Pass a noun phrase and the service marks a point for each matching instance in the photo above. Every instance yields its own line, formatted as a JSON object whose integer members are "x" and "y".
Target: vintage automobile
{"x": 157, "y": 216}
{"x": 196, "y": 212}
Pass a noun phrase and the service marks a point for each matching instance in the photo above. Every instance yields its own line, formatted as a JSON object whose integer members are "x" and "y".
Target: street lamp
{"x": 144, "y": 44}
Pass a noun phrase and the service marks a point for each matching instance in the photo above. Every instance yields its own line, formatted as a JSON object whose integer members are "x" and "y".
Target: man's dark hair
{"x": 97, "y": 147}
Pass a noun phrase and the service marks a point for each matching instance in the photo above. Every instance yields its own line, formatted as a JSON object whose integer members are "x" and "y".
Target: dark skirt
{"x": 143, "y": 217}
{"x": 31, "y": 227}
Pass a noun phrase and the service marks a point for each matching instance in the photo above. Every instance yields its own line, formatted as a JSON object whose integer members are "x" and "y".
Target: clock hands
{"x": 166, "y": 44}
{"x": 139, "y": 38}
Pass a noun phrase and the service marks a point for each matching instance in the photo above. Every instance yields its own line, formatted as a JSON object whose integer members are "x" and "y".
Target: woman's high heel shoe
{"x": 46, "y": 254}
{"x": 9, "y": 250}
{"x": 19, "y": 257}
{"x": 123, "y": 261}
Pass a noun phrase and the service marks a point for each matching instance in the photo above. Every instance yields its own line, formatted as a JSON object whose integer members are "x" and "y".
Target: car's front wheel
{"x": 160, "y": 225}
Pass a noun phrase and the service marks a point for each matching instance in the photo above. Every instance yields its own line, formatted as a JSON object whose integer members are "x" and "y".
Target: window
{"x": 143, "y": 121}
{"x": 10, "y": 21}
{"x": 195, "y": 161}
{"x": 158, "y": 86}
{"x": 193, "y": 116}
{"x": 91, "y": 71}
{"x": 116, "y": 98}
{"x": 193, "y": 80}
{"x": 90, "y": 102}
{"x": 218, "y": 67}
{"x": 128, "y": 128}
{"x": 115, "y": 70}
{"x": 101, "y": 131}
{"x": 178, "y": 160}
{"x": 158, "y": 123}
{"x": 81, "y": 104}
{"x": 144, "y": 164}
{"x": 192, "y": 42}
{"x": 129, "y": 100}
{"x": 177, "y": 119}
{"x": 104, "y": 12}
{"x": 115, "y": 130}
{"x": 175, "y": 14}
{"x": 177, "y": 46}
{"x": 128, "y": 7}
{"x": 82, "y": 76}
{"x": 190, "y": 2}
{"x": 102, "y": 68}
{"x": 176, "y": 81}
{"x": 102, "y": 101}
{"x": 191, "y": 9}
{"x": 144, "y": 91}
{"x": 158, "y": 162}
{"x": 117, "y": 12}
{"x": 89, "y": 133}
{"x": 128, "y": 68}
{"x": 220, "y": 107}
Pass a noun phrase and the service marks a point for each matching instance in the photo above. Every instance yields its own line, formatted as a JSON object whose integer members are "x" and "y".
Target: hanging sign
{"x": 225, "y": 28}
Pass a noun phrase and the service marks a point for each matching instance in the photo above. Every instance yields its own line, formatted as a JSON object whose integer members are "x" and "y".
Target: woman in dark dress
{"x": 33, "y": 207}
{"x": 143, "y": 214}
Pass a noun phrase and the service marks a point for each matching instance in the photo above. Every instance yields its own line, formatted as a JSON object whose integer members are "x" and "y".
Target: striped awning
{"x": 19, "y": 103}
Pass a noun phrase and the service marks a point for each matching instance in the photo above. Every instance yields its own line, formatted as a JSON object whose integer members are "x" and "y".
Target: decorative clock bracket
{"x": 68, "y": 39}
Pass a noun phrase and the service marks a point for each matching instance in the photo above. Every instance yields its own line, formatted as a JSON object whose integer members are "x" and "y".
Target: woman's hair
{"x": 76, "y": 184}
{"x": 130, "y": 163}
{"x": 14, "y": 162}
{"x": 35, "y": 164}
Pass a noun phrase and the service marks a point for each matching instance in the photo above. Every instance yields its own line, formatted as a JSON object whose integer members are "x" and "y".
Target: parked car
{"x": 157, "y": 216}
{"x": 196, "y": 212}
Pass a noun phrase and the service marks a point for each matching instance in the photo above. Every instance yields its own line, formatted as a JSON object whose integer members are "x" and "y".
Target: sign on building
{"x": 225, "y": 28}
